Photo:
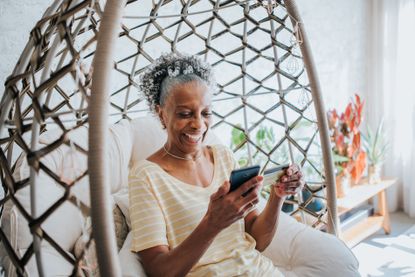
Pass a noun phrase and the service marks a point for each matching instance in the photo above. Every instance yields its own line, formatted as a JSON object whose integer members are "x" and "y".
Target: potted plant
{"x": 376, "y": 147}
{"x": 349, "y": 156}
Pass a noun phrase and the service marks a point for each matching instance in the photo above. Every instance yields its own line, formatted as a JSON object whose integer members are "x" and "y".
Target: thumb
{"x": 222, "y": 190}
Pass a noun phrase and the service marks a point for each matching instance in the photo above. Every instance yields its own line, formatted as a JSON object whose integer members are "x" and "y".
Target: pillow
{"x": 147, "y": 136}
{"x": 89, "y": 264}
{"x": 122, "y": 201}
{"x": 130, "y": 262}
{"x": 120, "y": 224}
{"x": 299, "y": 250}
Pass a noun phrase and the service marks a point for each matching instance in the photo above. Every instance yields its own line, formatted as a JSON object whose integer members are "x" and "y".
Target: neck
{"x": 190, "y": 157}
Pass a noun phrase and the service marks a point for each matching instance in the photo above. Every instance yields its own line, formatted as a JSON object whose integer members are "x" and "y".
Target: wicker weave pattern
{"x": 252, "y": 45}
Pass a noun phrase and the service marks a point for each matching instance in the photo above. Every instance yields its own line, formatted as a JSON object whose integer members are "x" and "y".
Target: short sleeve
{"x": 229, "y": 156}
{"x": 147, "y": 221}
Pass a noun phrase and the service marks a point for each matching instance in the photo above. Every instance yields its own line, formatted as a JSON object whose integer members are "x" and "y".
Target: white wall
{"x": 17, "y": 19}
{"x": 338, "y": 32}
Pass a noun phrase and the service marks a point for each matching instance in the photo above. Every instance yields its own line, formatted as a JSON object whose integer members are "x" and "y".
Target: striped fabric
{"x": 165, "y": 210}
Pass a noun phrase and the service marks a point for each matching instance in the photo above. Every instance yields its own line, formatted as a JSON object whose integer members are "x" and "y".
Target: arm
{"x": 224, "y": 209}
{"x": 160, "y": 261}
{"x": 262, "y": 226}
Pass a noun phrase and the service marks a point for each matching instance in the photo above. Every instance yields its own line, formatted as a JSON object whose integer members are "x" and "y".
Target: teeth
{"x": 194, "y": 138}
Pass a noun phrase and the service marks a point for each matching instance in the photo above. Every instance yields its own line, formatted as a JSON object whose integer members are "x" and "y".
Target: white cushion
{"x": 53, "y": 264}
{"x": 297, "y": 250}
{"x": 147, "y": 135}
{"x": 130, "y": 263}
{"x": 122, "y": 201}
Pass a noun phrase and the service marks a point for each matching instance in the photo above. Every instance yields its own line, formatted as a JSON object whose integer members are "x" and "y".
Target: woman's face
{"x": 187, "y": 116}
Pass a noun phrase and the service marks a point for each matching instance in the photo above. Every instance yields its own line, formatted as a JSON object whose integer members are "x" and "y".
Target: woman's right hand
{"x": 226, "y": 208}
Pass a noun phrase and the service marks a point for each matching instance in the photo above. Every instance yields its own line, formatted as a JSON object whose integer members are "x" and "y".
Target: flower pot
{"x": 374, "y": 172}
{"x": 343, "y": 184}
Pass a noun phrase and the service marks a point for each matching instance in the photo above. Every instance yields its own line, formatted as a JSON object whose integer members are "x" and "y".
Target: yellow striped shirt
{"x": 165, "y": 211}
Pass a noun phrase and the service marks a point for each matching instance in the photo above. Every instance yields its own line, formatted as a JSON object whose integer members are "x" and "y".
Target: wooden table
{"x": 357, "y": 195}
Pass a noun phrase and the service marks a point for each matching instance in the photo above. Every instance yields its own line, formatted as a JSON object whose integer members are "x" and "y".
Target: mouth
{"x": 193, "y": 138}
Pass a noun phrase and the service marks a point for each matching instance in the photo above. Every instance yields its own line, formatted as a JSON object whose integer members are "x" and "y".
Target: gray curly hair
{"x": 169, "y": 70}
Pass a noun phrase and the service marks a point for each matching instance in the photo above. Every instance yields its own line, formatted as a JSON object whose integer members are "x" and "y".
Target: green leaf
{"x": 340, "y": 159}
{"x": 375, "y": 144}
{"x": 238, "y": 137}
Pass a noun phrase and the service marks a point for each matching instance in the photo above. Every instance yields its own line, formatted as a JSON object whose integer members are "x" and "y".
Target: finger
{"x": 279, "y": 188}
{"x": 290, "y": 178}
{"x": 291, "y": 192}
{"x": 294, "y": 190}
{"x": 248, "y": 185}
{"x": 292, "y": 169}
{"x": 251, "y": 196}
{"x": 249, "y": 207}
{"x": 222, "y": 191}
{"x": 292, "y": 186}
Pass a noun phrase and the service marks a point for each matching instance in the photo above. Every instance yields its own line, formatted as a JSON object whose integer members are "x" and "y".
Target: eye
{"x": 207, "y": 114}
{"x": 184, "y": 114}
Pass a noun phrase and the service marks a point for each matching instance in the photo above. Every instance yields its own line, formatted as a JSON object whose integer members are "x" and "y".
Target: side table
{"x": 357, "y": 195}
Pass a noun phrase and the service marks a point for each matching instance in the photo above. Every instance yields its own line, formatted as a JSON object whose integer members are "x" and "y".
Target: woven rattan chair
{"x": 79, "y": 69}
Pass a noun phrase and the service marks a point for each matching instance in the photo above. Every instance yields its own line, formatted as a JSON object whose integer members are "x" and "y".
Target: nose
{"x": 197, "y": 122}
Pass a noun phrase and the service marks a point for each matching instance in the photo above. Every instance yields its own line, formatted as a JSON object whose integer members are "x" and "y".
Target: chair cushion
{"x": 130, "y": 262}
{"x": 297, "y": 250}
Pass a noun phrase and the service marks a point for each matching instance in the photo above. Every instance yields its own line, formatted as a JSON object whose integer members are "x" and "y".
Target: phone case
{"x": 240, "y": 176}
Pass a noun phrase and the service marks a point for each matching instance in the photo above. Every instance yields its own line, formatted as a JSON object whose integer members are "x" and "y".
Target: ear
{"x": 160, "y": 113}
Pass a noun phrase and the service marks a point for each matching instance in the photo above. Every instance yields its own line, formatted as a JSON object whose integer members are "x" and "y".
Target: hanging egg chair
{"x": 77, "y": 77}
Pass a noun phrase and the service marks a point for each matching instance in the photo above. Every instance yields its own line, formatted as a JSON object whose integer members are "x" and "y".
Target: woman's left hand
{"x": 290, "y": 183}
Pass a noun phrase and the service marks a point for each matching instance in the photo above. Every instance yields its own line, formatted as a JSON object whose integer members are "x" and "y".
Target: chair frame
{"x": 103, "y": 226}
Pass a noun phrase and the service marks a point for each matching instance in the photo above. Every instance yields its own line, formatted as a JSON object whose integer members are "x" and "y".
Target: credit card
{"x": 272, "y": 175}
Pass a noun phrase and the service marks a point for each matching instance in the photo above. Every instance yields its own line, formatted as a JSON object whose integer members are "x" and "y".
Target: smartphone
{"x": 272, "y": 175}
{"x": 241, "y": 175}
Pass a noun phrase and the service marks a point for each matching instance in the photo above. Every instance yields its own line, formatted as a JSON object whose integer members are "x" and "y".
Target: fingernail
{"x": 259, "y": 178}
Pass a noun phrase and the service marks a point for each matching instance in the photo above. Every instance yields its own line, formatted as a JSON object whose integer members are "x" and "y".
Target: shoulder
{"x": 143, "y": 170}
{"x": 223, "y": 153}
{"x": 222, "y": 150}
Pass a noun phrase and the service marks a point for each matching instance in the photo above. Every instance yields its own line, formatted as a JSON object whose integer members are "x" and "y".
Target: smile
{"x": 193, "y": 138}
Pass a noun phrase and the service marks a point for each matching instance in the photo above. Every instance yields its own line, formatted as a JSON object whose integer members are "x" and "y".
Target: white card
{"x": 272, "y": 175}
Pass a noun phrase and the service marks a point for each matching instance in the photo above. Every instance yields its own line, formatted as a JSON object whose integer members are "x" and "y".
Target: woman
{"x": 184, "y": 219}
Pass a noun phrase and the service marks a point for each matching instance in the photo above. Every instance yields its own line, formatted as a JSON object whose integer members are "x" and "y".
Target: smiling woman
{"x": 186, "y": 116}
{"x": 180, "y": 203}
